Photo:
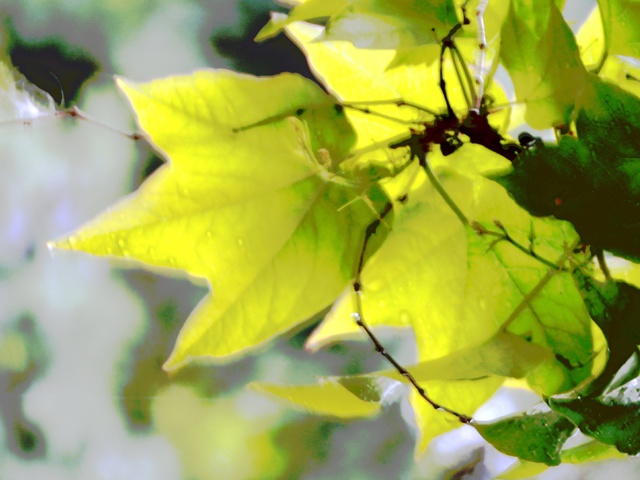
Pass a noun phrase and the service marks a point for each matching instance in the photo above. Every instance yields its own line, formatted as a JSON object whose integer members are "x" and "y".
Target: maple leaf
{"x": 242, "y": 204}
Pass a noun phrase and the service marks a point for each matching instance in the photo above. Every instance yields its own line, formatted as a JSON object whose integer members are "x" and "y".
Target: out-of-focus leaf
{"x": 198, "y": 426}
{"x": 621, "y": 70}
{"x": 540, "y": 53}
{"x": 595, "y": 188}
{"x": 535, "y": 436}
{"x": 20, "y": 99}
{"x": 590, "y": 40}
{"x": 613, "y": 418}
{"x": 330, "y": 397}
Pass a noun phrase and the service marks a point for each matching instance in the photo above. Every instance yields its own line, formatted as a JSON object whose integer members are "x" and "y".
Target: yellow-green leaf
{"x": 540, "y": 53}
{"x": 327, "y": 397}
{"x": 242, "y": 203}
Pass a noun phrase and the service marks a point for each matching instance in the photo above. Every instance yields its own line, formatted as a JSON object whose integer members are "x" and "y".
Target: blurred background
{"x": 82, "y": 392}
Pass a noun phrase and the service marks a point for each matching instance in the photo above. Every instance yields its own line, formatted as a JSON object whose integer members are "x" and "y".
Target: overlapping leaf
{"x": 363, "y": 76}
{"x": 592, "y": 181}
{"x": 622, "y": 70}
{"x": 458, "y": 376}
{"x": 612, "y": 419}
{"x": 453, "y": 288}
{"x": 536, "y": 435}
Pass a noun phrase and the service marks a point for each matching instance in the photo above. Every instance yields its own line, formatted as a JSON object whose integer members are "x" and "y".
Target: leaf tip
{"x": 125, "y": 85}
{"x": 62, "y": 243}
{"x": 174, "y": 363}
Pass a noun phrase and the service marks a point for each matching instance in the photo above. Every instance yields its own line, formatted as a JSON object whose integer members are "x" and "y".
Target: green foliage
{"x": 374, "y": 198}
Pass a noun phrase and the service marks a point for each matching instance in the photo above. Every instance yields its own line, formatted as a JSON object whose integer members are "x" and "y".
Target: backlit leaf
{"x": 328, "y": 397}
{"x": 461, "y": 289}
{"x": 241, "y": 204}
{"x": 383, "y": 24}
{"x": 505, "y": 355}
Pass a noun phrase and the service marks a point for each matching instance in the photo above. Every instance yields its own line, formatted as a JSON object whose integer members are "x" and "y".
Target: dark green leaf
{"x": 615, "y": 307}
{"x": 552, "y": 179}
{"x": 536, "y": 435}
{"x": 613, "y": 419}
{"x": 599, "y": 195}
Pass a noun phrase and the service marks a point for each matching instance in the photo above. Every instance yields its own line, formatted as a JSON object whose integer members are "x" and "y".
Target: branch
{"x": 358, "y": 316}
{"x": 482, "y": 45}
{"x": 75, "y": 112}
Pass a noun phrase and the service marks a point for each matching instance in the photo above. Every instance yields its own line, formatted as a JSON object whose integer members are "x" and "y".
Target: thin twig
{"x": 358, "y": 316}
{"x": 401, "y": 370}
{"x": 482, "y": 45}
{"x": 368, "y": 111}
{"x": 603, "y": 264}
{"x": 397, "y": 103}
{"x": 462, "y": 71}
{"x": 75, "y": 112}
{"x": 369, "y": 232}
{"x": 447, "y": 42}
